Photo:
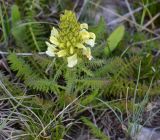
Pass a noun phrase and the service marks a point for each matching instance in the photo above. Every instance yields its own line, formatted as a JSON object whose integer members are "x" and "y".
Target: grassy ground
{"x": 105, "y": 98}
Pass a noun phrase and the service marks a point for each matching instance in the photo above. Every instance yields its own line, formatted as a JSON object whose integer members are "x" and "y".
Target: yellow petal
{"x": 51, "y": 50}
{"x": 68, "y": 43}
{"x": 61, "y": 45}
{"x": 54, "y": 32}
{"x": 80, "y": 46}
{"x": 54, "y": 40}
{"x": 87, "y": 53}
{"x": 92, "y": 35}
{"x": 84, "y": 34}
{"x": 72, "y": 60}
{"x": 71, "y": 50}
{"x": 62, "y": 53}
{"x": 90, "y": 42}
{"x": 84, "y": 26}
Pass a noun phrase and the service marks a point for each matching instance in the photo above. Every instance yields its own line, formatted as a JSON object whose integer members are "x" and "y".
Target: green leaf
{"x": 114, "y": 39}
{"x": 4, "y": 23}
{"x": 17, "y": 30}
{"x": 94, "y": 129}
{"x": 19, "y": 34}
{"x": 90, "y": 98}
{"x": 99, "y": 29}
{"x": 15, "y": 14}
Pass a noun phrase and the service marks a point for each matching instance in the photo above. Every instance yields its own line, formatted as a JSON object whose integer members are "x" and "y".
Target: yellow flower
{"x": 51, "y": 49}
{"x": 71, "y": 40}
{"x": 84, "y": 26}
{"x": 72, "y": 60}
{"x": 87, "y": 52}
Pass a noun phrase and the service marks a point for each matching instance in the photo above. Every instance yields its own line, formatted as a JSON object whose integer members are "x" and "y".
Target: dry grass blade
{"x": 130, "y": 11}
{"x": 125, "y": 19}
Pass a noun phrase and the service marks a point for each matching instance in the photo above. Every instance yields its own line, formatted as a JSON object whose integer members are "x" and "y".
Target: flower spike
{"x": 71, "y": 41}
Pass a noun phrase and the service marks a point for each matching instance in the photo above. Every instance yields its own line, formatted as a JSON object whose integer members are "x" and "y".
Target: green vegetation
{"x": 43, "y": 99}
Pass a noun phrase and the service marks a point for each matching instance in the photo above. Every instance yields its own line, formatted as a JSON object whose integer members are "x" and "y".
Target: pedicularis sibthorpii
{"x": 71, "y": 40}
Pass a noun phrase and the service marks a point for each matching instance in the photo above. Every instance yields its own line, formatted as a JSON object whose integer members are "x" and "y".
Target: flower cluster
{"x": 71, "y": 40}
